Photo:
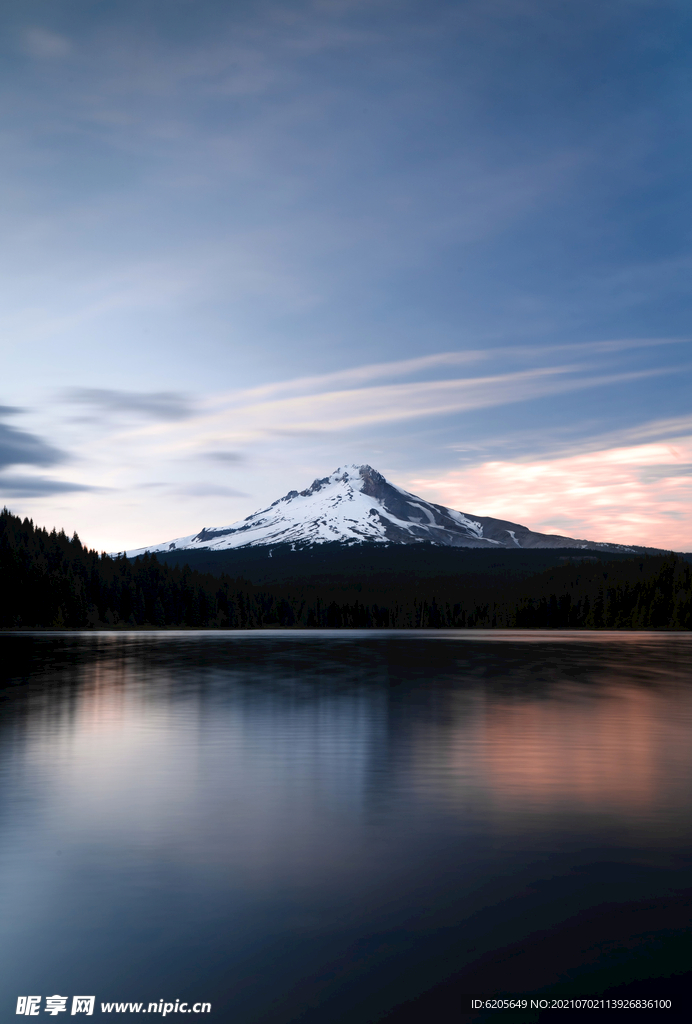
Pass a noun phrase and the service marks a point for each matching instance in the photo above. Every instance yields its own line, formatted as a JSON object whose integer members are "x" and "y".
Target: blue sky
{"x": 245, "y": 243}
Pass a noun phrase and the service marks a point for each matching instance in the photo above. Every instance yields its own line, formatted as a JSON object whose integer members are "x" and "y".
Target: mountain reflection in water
{"x": 326, "y": 825}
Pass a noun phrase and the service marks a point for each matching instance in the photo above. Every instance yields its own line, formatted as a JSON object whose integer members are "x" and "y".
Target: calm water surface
{"x": 324, "y": 826}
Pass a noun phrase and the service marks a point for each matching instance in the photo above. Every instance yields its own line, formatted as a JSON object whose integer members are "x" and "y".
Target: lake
{"x": 343, "y": 826}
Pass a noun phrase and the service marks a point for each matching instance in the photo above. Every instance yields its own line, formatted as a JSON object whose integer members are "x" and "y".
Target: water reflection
{"x": 238, "y": 814}
{"x": 618, "y": 750}
{"x": 614, "y": 750}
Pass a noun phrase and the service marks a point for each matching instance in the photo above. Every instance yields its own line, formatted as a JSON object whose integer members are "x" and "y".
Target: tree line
{"x": 52, "y": 580}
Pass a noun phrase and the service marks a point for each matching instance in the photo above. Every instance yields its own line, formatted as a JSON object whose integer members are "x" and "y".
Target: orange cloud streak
{"x": 635, "y": 495}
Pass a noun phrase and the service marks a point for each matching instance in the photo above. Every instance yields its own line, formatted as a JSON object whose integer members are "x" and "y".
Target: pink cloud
{"x": 635, "y": 495}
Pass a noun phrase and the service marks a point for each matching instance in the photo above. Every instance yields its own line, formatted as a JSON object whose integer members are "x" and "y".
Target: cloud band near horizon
{"x": 634, "y": 495}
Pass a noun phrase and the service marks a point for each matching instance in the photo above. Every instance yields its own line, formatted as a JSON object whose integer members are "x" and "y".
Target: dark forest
{"x": 52, "y": 581}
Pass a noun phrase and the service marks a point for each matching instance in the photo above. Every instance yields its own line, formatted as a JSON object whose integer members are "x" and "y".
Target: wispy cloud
{"x": 394, "y": 369}
{"x": 578, "y": 438}
{"x": 223, "y": 456}
{"x": 204, "y": 490}
{"x": 36, "y": 487}
{"x": 244, "y": 418}
{"x": 20, "y": 448}
{"x": 326, "y": 382}
{"x": 674, "y": 426}
{"x": 639, "y": 495}
{"x": 159, "y": 405}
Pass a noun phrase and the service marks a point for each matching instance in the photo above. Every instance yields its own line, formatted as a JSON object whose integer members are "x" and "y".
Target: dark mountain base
{"x": 347, "y": 564}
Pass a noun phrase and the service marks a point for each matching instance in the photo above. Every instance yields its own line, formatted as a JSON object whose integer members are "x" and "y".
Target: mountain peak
{"x": 357, "y": 504}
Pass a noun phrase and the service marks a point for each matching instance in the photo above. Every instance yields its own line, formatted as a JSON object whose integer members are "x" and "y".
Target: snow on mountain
{"x": 357, "y": 504}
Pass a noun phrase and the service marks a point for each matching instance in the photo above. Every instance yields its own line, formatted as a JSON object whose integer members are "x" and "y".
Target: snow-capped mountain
{"x": 357, "y": 504}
